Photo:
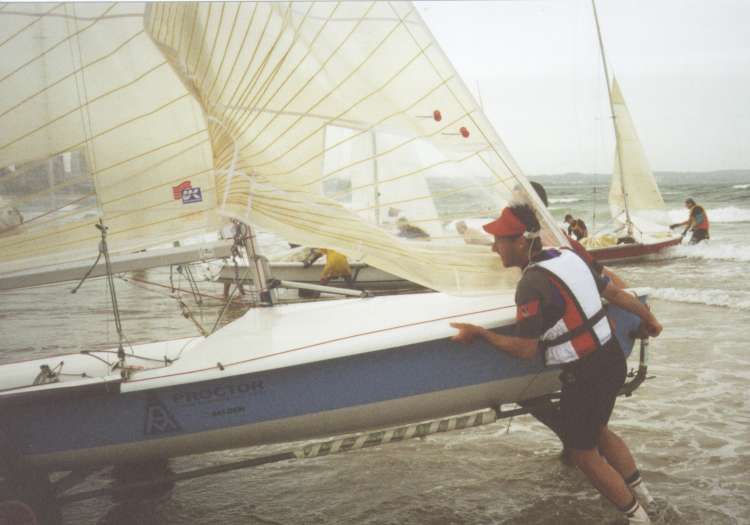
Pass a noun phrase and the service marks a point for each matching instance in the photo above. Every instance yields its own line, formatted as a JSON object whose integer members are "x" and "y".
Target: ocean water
{"x": 688, "y": 425}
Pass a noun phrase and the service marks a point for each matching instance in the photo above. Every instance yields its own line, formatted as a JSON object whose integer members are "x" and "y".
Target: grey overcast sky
{"x": 683, "y": 67}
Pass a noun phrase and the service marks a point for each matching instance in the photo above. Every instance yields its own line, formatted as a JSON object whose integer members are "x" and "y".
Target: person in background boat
{"x": 336, "y": 267}
{"x": 409, "y": 231}
{"x": 579, "y": 248}
{"x": 10, "y": 217}
{"x": 576, "y": 228}
{"x": 697, "y": 222}
{"x": 472, "y": 235}
{"x": 560, "y": 314}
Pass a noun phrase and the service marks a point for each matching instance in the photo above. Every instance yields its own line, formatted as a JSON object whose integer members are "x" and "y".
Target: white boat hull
{"x": 380, "y": 373}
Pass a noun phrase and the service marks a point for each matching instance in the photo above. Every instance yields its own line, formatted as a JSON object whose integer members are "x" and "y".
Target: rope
{"x": 88, "y": 272}
{"x": 132, "y": 280}
{"x": 113, "y": 296}
{"x": 136, "y": 356}
{"x": 238, "y": 284}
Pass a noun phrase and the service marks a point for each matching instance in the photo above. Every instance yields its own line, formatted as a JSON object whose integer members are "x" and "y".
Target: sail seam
{"x": 367, "y": 130}
{"x": 26, "y": 27}
{"x": 380, "y": 154}
{"x": 250, "y": 94}
{"x": 53, "y": 47}
{"x": 71, "y": 74}
{"x": 242, "y": 123}
{"x": 83, "y": 105}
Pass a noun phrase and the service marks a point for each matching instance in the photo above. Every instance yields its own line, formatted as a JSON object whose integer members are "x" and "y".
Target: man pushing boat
{"x": 697, "y": 222}
{"x": 560, "y": 313}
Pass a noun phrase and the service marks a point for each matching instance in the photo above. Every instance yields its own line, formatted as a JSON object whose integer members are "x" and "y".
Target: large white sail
{"x": 172, "y": 109}
{"x": 87, "y": 83}
{"x": 633, "y": 184}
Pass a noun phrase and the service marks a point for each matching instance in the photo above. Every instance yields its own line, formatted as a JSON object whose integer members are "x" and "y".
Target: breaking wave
{"x": 564, "y": 200}
{"x": 741, "y": 186}
{"x": 712, "y": 250}
{"x": 728, "y": 214}
{"x": 707, "y": 296}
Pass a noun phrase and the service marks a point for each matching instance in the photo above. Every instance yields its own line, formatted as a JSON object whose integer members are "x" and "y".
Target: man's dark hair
{"x": 540, "y": 191}
{"x": 526, "y": 215}
{"x": 689, "y": 200}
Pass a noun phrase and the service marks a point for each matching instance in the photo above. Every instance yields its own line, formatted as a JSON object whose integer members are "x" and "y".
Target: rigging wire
{"x": 618, "y": 154}
{"x": 87, "y": 129}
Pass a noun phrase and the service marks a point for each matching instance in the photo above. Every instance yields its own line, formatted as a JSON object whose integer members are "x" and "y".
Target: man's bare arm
{"x": 520, "y": 347}
{"x": 616, "y": 279}
{"x": 627, "y": 301}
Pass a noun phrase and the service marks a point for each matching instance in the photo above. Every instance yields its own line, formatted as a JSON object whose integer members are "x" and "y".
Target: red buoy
{"x": 464, "y": 132}
{"x": 437, "y": 115}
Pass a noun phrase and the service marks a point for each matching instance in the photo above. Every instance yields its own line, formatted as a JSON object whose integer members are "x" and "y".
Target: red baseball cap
{"x": 507, "y": 225}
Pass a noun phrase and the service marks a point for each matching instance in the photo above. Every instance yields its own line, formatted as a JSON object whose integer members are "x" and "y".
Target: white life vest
{"x": 583, "y": 327}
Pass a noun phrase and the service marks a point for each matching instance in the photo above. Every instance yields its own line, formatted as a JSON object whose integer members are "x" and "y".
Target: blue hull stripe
{"x": 113, "y": 419}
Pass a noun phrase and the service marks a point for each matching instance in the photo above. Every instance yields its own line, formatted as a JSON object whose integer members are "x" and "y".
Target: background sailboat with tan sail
{"x": 640, "y": 222}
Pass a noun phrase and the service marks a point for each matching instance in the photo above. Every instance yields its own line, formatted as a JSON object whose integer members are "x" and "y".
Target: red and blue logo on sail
{"x": 187, "y": 193}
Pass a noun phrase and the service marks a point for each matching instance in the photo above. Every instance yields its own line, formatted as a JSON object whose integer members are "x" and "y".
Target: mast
{"x": 614, "y": 124}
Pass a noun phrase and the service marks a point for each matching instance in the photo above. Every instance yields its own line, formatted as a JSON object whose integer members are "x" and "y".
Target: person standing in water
{"x": 560, "y": 314}
{"x": 697, "y": 222}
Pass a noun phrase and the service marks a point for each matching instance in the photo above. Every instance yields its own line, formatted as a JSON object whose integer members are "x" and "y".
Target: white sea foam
{"x": 711, "y": 250}
{"x": 709, "y": 296}
{"x": 727, "y": 214}
{"x": 741, "y": 186}
{"x": 564, "y": 200}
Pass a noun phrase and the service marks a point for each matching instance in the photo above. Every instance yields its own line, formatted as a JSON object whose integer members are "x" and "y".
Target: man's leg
{"x": 603, "y": 476}
{"x": 609, "y": 483}
{"x": 698, "y": 236}
{"x": 548, "y": 414}
{"x": 616, "y": 452}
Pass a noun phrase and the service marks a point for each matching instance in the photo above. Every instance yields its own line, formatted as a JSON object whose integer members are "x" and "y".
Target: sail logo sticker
{"x": 158, "y": 419}
{"x": 187, "y": 193}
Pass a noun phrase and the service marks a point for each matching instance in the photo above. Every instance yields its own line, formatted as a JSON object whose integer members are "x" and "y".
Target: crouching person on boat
{"x": 10, "y": 217}
{"x": 560, "y": 313}
{"x": 337, "y": 265}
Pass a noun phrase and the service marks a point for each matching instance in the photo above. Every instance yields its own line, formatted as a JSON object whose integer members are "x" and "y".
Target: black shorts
{"x": 698, "y": 236}
{"x": 589, "y": 388}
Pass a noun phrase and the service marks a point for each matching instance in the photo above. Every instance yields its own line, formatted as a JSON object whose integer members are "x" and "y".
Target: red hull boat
{"x": 631, "y": 252}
